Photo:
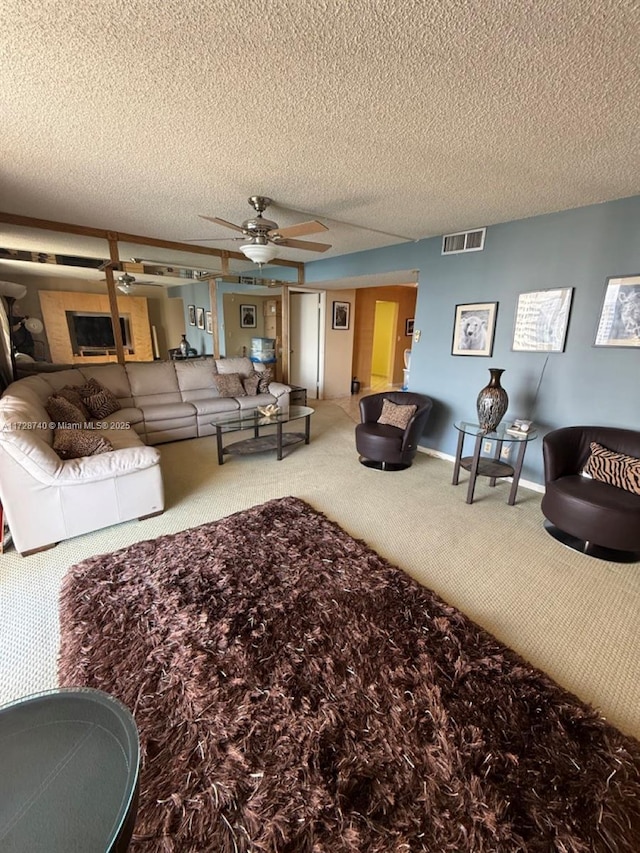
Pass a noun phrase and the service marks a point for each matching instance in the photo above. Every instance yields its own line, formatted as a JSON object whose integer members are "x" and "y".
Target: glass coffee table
{"x": 485, "y": 466}
{"x": 253, "y": 420}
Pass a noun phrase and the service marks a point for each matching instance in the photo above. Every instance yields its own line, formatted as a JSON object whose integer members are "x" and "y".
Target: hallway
{"x": 351, "y": 404}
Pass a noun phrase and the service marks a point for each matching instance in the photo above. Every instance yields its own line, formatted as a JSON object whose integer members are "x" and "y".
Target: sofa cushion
{"x": 229, "y": 385}
{"x": 241, "y": 365}
{"x": 76, "y": 443}
{"x": 167, "y": 411}
{"x": 253, "y": 402}
{"x": 153, "y": 379}
{"x": 60, "y": 410}
{"x": 126, "y": 415}
{"x": 60, "y": 379}
{"x": 195, "y": 374}
{"x": 616, "y": 469}
{"x": 395, "y": 415}
{"x": 111, "y": 376}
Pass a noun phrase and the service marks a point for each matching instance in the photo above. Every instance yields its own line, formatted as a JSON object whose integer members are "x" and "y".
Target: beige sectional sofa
{"x": 47, "y": 499}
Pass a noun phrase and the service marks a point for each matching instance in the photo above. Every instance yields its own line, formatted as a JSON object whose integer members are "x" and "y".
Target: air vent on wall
{"x": 463, "y": 241}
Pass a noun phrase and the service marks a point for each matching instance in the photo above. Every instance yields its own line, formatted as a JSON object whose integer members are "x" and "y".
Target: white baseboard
{"x": 526, "y": 484}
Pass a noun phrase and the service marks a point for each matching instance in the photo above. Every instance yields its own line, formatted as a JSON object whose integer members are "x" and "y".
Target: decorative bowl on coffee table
{"x": 268, "y": 411}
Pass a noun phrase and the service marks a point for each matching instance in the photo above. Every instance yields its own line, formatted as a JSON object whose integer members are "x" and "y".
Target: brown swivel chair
{"x": 386, "y": 447}
{"x": 593, "y": 517}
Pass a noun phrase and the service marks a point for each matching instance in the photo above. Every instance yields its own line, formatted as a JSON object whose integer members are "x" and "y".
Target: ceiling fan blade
{"x": 210, "y": 239}
{"x": 303, "y": 244}
{"x": 223, "y": 222}
{"x": 300, "y": 230}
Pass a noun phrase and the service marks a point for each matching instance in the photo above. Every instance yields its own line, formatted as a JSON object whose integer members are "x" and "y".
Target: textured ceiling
{"x": 411, "y": 118}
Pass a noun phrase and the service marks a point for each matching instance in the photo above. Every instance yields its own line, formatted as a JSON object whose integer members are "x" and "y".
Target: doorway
{"x": 384, "y": 344}
{"x": 305, "y": 349}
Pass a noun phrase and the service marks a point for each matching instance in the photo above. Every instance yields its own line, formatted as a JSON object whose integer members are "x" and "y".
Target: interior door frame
{"x": 322, "y": 314}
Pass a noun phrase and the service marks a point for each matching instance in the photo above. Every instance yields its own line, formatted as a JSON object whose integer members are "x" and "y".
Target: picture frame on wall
{"x": 474, "y": 328}
{"x": 542, "y": 320}
{"x": 341, "y": 311}
{"x": 200, "y": 318}
{"x": 408, "y": 327}
{"x": 208, "y": 322}
{"x": 619, "y": 321}
{"x": 248, "y": 317}
{"x": 192, "y": 314}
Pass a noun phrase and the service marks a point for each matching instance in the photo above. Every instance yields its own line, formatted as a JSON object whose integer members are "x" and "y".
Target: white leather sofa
{"x": 47, "y": 499}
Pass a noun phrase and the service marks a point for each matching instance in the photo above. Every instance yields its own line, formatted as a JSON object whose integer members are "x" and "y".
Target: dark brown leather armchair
{"x": 386, "y": 447}
{"x": 586, "y": 514}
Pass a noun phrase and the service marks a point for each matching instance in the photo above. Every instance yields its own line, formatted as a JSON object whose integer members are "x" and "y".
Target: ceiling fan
{"x": 265, "y": 237}
{"x": 127, "y": 283}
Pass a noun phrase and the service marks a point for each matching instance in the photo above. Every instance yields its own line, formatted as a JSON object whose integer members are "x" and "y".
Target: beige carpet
{"x": 574, "y": 617}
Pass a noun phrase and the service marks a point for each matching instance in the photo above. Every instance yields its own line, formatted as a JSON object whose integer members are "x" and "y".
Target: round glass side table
{"x": 490, "y": 466}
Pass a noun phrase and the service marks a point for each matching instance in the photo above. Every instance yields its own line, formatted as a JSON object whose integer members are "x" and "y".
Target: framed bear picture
{"x": 474, "y": 328}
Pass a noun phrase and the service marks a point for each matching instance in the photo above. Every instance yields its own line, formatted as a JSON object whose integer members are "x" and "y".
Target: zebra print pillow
{"x": 616, "y": 469}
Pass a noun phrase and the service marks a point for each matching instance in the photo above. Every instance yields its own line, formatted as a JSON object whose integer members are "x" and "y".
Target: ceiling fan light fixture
{"x": 259, "y": 253}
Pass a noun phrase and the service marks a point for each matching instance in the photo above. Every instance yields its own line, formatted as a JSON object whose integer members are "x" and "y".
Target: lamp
{"x": 33, "y": 325}
{"x": 11, "y": 291}
{"x": 260, "y": 251}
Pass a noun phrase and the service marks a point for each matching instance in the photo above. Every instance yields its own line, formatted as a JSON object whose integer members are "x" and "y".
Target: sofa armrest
{"x": 42, "y": 463}
{"x": 277, "y": 389}
{"x": 106, "y": 466}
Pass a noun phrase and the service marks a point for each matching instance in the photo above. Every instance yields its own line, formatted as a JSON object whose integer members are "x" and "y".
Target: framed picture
{"x": 542, "y": 317}
{"x": 474, "y": 327}
{"x": 200, "y": 318}
{"x": 408, "y": 327}
{"x": 208, "y": 322}
{"x": 341, "y": 315}
{"x": 619, "y": 323}
{"x": 248, "y": 317}
{"x": 192, "y": 314}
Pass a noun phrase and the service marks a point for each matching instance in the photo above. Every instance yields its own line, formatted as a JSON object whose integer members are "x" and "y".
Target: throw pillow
{"x": 250, "y": 384}
{"x": 72, "y": 394}
{"x": 99, "y": 400}
{"x": 76, "y": 443}
{"x": 229, "y": 385}
{"x": 616, "y": 469}
{"x": 264, "y": 378}
{"x": 91, "y": 386}
{"x": 395, "y": 415}
{"x": 61, "y": 410}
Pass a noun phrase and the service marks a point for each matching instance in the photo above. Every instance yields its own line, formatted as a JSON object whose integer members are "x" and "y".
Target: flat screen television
{"x": 91, "y": 333}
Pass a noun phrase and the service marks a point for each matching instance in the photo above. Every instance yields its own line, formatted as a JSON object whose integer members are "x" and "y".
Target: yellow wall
{"x": 383, "y": 336}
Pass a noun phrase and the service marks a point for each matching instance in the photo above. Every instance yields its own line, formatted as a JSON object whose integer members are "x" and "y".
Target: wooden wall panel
{"x": 55, "y": 304}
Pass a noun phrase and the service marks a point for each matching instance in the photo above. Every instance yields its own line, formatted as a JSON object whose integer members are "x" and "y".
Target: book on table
{"x": 520, "y": 426}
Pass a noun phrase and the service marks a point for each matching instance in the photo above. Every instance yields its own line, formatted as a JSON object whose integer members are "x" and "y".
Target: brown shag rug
{"x": 294, "y": 692}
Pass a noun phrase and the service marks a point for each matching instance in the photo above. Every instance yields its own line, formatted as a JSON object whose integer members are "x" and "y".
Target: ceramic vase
{"x": 492, "y": 402}
{"x": 184, "y": 347}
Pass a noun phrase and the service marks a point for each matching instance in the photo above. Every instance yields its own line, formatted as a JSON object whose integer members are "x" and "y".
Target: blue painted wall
{"x": 575, "y": 248}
